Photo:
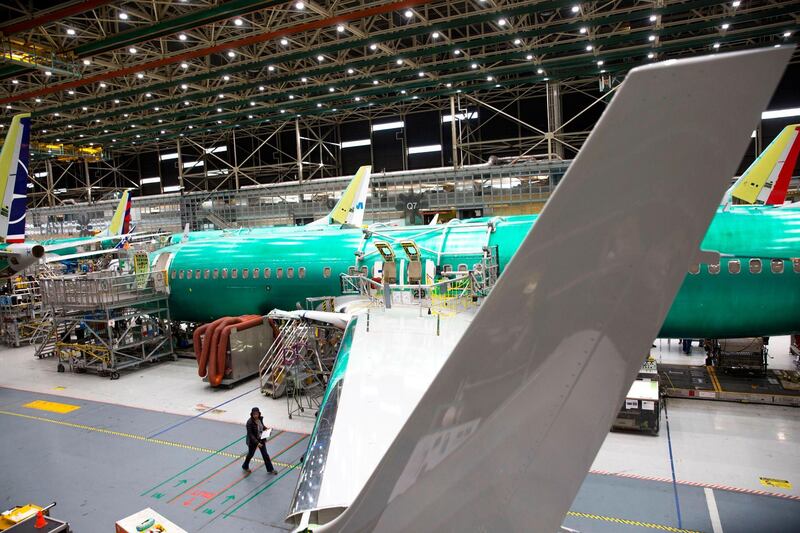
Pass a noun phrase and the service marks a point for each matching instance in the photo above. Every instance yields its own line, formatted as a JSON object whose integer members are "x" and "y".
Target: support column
{"x": 299, "y": 150}
{"x": 235, "y": 161}
{"x": 180, "y": 164}
{"x": 453, "y": 136}
{"x": 51, "y": 199}
{"x": 88, "y": 180}
{"x": 554, "y": 121}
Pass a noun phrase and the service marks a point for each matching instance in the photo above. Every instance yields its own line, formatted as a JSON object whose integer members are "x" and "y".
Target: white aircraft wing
{"x": 83, "y": 242}
{"x": 55, "y": 258}
{"x": 505, "y": 434}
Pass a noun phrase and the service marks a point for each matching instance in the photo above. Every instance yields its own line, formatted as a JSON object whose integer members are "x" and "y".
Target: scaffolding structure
{"x": 299, "y": 362}
{"x": 23, "y": 317}
{"x": 106, "y": 322}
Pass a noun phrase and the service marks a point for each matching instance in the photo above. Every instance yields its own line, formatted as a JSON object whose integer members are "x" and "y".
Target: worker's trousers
{"x": 251, "y": 451}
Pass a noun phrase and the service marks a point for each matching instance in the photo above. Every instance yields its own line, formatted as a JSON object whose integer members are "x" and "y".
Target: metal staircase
{"x": 284, "y": 351}
{"x": 52, "y": 332}
{"x": 218, "y": 221}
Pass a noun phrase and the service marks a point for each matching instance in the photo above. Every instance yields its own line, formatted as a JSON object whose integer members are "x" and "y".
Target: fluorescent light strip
{"x": 781, "y": 113}
{"x": 460, "y": 116}
{"x": 40, "y": 175}
{"x": 353, "y": 144}
{"x": 192, "y": 164}
{"x": 215, "y": 149}
{"x": 424, "y": 149}
{"x": 172, "y": 188}
{"x": 171, "y": 155}
{"x": 389, "y": 126}
{"x": 145, "y": 181}
{"x": 222, "y": 172}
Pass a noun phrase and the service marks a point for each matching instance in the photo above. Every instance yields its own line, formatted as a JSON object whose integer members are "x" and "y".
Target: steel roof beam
{"x": 572, "y": 46}
{"x": 627, "y": 15}
{"x": 52, "y": 15}
{"x": 309, "y": 109}
{"x": 289, "y": 30}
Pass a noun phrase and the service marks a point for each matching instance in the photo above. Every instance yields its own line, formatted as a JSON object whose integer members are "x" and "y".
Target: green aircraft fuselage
{"x": 254, "y": 273}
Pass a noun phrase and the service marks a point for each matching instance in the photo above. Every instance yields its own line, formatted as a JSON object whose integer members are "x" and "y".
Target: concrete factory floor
{"x": 161, "y": 438}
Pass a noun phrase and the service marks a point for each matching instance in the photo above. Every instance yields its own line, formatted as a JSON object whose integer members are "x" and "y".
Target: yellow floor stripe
{"x": 54, "y": 407}
{"x": 626, "y": 522}
{"x": 714, "y": 381}
{"x": 132, "y": 436}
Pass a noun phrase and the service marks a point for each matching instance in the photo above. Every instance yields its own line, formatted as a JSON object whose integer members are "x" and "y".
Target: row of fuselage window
{"x": 756, "y": 266}
{"x": 734, "y": 267}
{"x": 245, "y": 273}
{"x": 255, "y": 273}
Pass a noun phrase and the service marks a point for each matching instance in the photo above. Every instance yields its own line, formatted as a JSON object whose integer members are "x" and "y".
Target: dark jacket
{"x": 253, "y": 438}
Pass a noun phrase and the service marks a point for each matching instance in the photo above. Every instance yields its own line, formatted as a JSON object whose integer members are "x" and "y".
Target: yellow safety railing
{"x": 67, "y": 351}
{"x": 452, "y": 298}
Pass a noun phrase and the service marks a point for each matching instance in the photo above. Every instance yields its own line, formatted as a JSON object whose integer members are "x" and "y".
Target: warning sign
{"x": 631, "y": 404}
{"x": 771, "y": 482}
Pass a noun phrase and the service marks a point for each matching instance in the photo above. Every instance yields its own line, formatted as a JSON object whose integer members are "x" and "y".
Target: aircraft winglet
{"x": 509, "y": 427}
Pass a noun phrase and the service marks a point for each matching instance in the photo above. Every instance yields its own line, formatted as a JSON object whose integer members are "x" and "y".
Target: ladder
{"x": 218, "y": 221}
{"x": 54, "y": 334}
{"x": 283, "y": 351}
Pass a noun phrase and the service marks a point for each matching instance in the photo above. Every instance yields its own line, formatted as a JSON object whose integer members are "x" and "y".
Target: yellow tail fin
{"x": 767, "y": 179}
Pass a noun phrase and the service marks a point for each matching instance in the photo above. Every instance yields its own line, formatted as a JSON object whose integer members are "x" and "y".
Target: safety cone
{"x": 40, "y": 521}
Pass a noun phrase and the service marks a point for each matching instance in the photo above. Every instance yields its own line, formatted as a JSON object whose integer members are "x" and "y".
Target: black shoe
{"x": 245, "y": 469}
{"x": 272, "y": 472}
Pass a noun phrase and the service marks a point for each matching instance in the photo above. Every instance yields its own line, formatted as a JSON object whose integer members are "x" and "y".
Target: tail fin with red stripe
{"x": 766, "y": 181}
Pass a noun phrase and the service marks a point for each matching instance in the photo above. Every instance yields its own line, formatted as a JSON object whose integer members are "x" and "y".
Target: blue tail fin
{"x": 14, "y": 159}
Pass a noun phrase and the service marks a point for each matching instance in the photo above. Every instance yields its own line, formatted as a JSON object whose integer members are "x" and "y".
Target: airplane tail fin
{"x": 121, "y": 221}
{"x": 350, "y": 207}
{"x": 14, "y": 160}
{"x": 766, "y": 181}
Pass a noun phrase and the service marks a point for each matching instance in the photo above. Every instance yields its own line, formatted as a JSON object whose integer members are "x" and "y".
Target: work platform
{"x": 777, "y": 387}
{"x": 107, "y": 322}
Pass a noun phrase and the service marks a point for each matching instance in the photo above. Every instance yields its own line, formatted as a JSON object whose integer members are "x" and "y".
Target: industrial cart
{"x": 641, "y": 410}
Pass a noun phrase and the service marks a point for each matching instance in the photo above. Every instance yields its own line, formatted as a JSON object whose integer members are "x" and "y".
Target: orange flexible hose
{"x": 211, "y": 342}
{"x": 198, "y": 348}
{"x": 219, "y": 368}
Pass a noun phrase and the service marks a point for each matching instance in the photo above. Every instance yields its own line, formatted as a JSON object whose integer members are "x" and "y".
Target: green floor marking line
{"x": 181, "y": 482}
{"x": 280, "y": 476}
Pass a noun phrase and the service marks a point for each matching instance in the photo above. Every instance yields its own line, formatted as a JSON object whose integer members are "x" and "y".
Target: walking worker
{"x": 257, "y": 438}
